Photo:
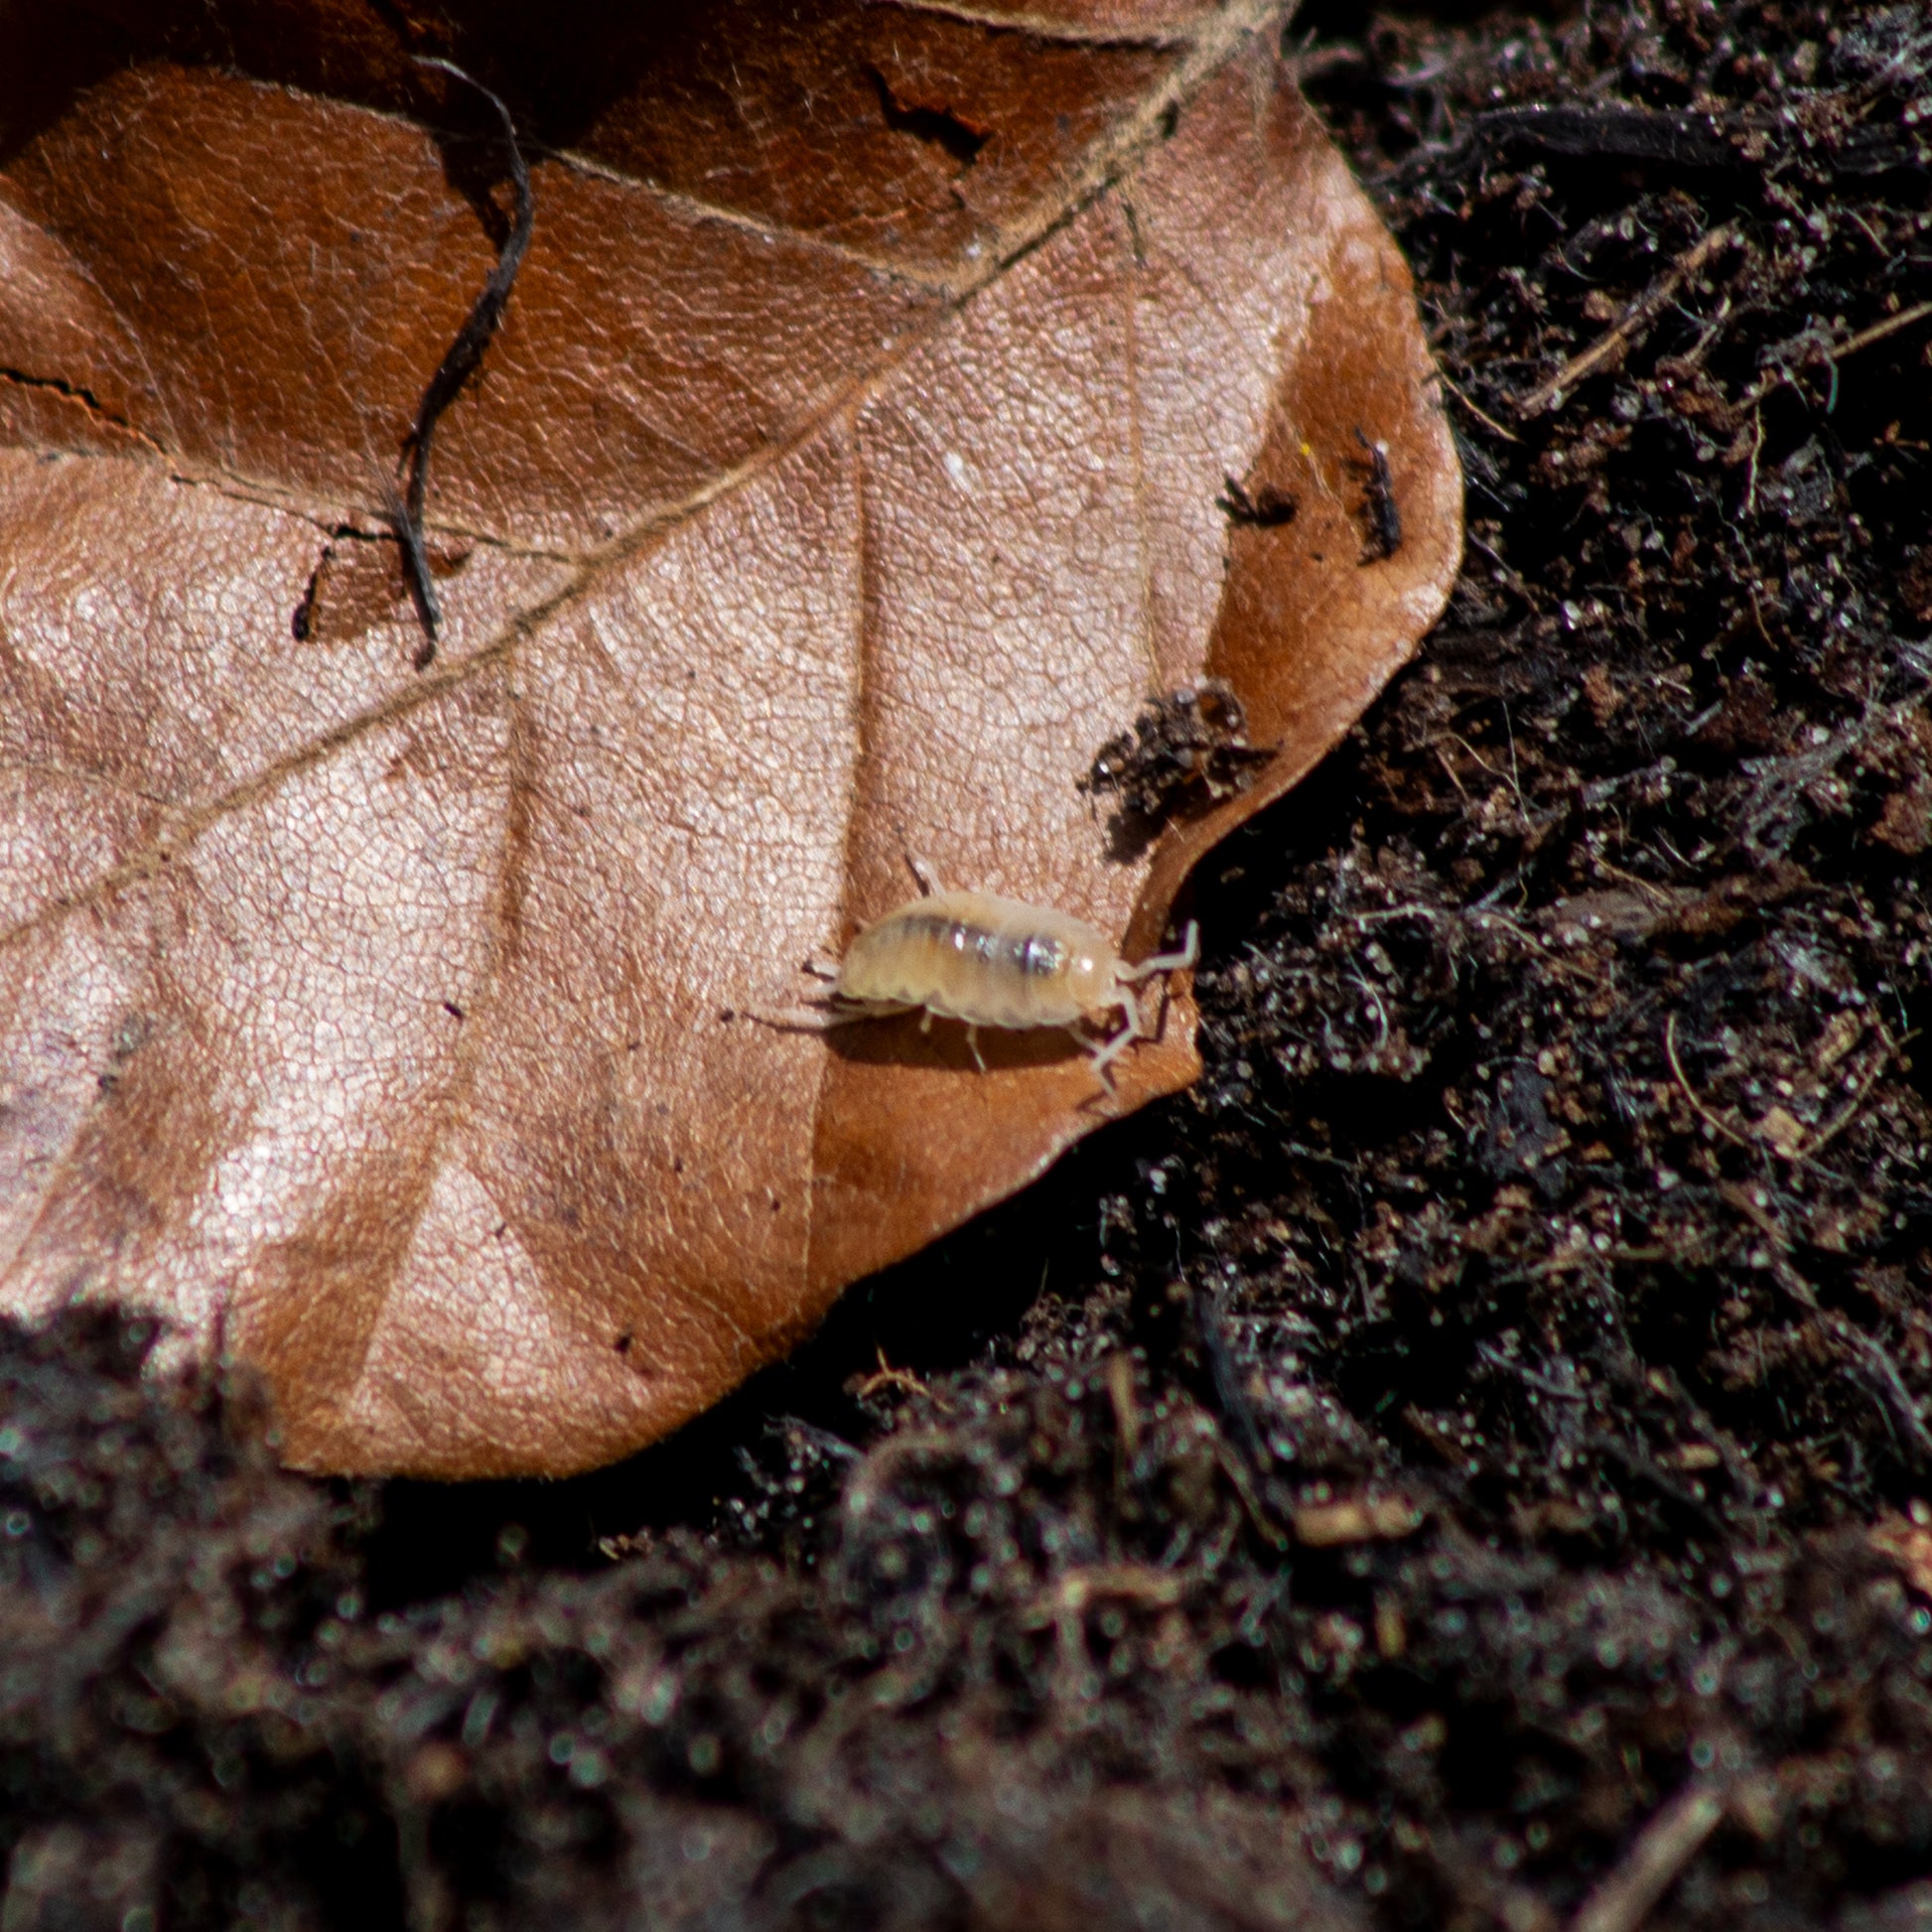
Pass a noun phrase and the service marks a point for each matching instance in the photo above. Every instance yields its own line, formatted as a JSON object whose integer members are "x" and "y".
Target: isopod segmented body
{"x": 997, "y": 962}
{"x": 983, "y": 959}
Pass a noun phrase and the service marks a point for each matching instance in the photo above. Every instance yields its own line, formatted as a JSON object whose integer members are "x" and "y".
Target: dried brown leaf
{"x": 845, "y": 472}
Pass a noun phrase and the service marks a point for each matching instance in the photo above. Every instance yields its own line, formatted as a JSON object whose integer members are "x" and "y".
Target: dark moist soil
{"x": 1478, "y": 1436}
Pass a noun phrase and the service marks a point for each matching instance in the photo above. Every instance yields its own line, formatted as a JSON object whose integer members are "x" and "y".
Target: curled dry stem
{"x": 459, "y": 364}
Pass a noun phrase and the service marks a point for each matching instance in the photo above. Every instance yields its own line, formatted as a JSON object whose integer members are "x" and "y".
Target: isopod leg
{"x": 973, "y": 1045}
{"x": 1167, "y": 962}
{"x": 926, "y": 872}
{"x": 1106, "y": 1051}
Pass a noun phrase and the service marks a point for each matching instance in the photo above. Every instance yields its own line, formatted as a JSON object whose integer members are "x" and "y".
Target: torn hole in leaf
{"x": 359, "y": 583}
{"x": 937, "y": 124}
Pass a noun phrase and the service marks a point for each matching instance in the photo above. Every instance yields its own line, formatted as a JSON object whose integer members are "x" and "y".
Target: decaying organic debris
{"x": 1187, "y": 751}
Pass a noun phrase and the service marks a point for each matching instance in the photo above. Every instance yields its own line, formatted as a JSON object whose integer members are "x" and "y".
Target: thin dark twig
{"x": 459, "y": 364}
{"x": 1632, "y": 323}
{"x": 1691, "y": 1093}
{"x": 1817, "y": 351}
{"x": 1667, "y": 1843}
{"x": 835, "y": 1448}
{"x": 1246, "y": 1463}
{"x": 1888, "y": 1388}
{"x": 1225, "y": 1372}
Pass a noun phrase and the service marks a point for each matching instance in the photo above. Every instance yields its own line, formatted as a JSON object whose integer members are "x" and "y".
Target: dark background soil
{"x": 1470, "y": 1450}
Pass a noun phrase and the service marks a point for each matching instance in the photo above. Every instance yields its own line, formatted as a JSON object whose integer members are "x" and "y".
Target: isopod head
{"x": 1090, "y": 976}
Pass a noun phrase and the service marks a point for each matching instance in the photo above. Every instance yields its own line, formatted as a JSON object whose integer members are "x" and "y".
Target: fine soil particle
{"x": 1474, "y": 1448}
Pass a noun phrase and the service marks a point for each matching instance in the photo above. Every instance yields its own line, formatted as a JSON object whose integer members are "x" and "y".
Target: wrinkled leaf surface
{"x": 845, "y": 472}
